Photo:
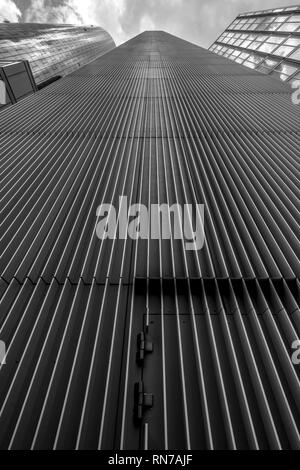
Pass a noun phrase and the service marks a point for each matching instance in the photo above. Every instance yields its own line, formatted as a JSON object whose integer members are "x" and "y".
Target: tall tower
{"x": 118, "y": 343}
{"x": 52, "y": 49}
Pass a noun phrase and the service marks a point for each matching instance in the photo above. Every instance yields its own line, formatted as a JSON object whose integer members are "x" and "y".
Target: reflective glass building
{"x": 51, "y": 49}
{"x": 267, "y": 40}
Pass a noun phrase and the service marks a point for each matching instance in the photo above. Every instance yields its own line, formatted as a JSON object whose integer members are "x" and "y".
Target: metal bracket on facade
{"x": 144, "y": 346}
{"x": 142, "y": 400}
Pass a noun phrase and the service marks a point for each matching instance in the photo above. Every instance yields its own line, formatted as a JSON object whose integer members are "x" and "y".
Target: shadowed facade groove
{"x": 158, "y": 120}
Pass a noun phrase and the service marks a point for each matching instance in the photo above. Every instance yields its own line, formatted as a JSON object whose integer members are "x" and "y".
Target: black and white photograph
{"x": 149, "y": 228}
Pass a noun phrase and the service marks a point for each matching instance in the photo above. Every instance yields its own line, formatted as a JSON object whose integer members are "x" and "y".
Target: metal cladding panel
{"x": 158, "y": 120}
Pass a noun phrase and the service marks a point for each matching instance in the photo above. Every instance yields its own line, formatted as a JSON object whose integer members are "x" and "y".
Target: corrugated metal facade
{"x": 158, "y": 120}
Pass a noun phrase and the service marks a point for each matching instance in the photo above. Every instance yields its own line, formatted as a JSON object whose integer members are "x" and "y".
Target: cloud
{"x": 45, "y": 11}
{"x": 9, "y": 11}
{"x": 105, "y": 13}
{"x": 198, "y": 21}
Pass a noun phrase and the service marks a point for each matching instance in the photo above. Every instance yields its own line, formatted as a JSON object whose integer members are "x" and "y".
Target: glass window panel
{"x": 266, "y": 47}
{"x": 280, "y": 19}
{"x": 292, "y": 42}
{"x": 263, "y": 26}
{"x": 295, "y": 55}
{"x": 255, "y": 45}
{"x": 270, "y": 62}
{"x": 289, "y": 27}
{"x": 286, "y": 69}
{"x": 263, "y": 69}
{"x": 279, "y": 76}
{"x": 272, "y": 27}
{"x": 267, "y": 65}
{"x": 255, "y": 58}
{"x": 245, "y": 43}
{"x": 294, "y": 19}
{"x": 262, "y": 38}
{"x": 276, "y": 39}
{"x": 250, "y": 64}
{"x": 283, "y": 51}
{"x": 269, "y": 19}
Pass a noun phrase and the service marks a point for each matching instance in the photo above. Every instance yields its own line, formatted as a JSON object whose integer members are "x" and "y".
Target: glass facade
{"x": 52, "y": 50}
{"x": 267, "y": 41}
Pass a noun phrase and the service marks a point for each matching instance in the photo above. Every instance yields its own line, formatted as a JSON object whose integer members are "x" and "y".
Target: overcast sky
{"x": 198, "y": 21}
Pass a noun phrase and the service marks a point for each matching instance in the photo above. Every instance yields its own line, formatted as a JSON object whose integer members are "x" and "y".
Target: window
{"x": 294, "y": 19}
{"x": 266, "y": 47}
{"x": 255, "y": 45}
{"x": 295, "y": 55}
{"x": 283, "y": 51}
{"x": 249, "y": 64}
{"x": 292, "y": 42}
{"x": 289, "y": 27}
{"x": 276, "y": 39}
{"x": 245, "y": 43}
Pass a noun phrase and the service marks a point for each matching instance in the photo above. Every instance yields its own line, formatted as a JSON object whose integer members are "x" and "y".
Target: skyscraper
{"x": 118, "y": 343}
{"x": 51, "y": 49}
{"x": 267, "y": 41}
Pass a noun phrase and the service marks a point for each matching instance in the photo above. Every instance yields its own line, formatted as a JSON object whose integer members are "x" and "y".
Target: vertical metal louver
{"x": 122, "y": 344}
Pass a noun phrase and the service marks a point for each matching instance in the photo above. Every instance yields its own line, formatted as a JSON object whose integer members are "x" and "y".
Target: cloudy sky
{"x": 198, "y": 21}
